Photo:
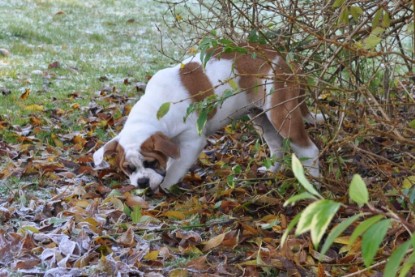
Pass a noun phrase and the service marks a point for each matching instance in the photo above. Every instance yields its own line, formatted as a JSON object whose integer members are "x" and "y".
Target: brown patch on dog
{"x": 261, "y": 64}
{"x": 159, "y": 147}
{"x": 113, "y": 148}
{"x": 196, "y": 82}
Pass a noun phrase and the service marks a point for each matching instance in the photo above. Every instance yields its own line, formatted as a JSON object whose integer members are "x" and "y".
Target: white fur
{"x": 166, "y": 86}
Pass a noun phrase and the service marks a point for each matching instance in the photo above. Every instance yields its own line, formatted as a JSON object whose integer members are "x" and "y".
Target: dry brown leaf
{"x": 127, "y": 238}
{"x": 213, "y": 242}
{"x": 134, "y": 201}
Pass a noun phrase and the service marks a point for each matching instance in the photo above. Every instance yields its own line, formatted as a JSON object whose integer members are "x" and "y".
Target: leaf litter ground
{"x": 59, "y": 216}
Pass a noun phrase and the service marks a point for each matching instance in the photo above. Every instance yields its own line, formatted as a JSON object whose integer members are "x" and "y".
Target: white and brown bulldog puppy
{"x": 158, "y": 152}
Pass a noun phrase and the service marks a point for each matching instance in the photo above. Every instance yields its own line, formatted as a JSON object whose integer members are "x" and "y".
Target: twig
{"x": 365, "y": 269}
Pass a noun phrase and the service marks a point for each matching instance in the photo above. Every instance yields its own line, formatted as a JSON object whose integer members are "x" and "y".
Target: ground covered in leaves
{"x": 59, "y": 216}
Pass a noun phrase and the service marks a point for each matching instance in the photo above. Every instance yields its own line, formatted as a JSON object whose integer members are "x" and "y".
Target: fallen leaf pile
{"x": 58, "y": 216}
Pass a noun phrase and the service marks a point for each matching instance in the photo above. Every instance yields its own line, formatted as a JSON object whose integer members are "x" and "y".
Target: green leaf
{"x": 372, "y": 239}
{"x": 322, "y": 219}
{"x": 358, "y": 191}
{"x": 136, "y": 214}
{"x": 377, "y": 31}
{"x": 386, "y": 21}
{"x": 201, "y": 121}
{"x": 376, "y": 18}
{"x": 363, "y": 226}
{"x": 163, "y": 110}
{"x": 316, "y": 218}
{"x": 293, "y": 199}
{"x": 407, "y": 265}
{"x": 412, "y": 124}
{"x": 233, "y": 84}
{"x": 344, "y": 16}
{"x": 371, "y": 41}
{"x": 392, "y": 266}
{"x": 336, "y": 231}
{"x": 338, "y": 3}
{"x": 299, "y": 174}
{"x": 289, "y": 228}
{"x": 356, "y": 12}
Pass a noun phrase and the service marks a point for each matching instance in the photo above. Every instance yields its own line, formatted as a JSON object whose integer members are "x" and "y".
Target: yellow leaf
{"x": 75, "y": 106}
{"x": 178, "y": 272}
{"x": 175, "y": 214}
{"x": 56, "y": 140}
{"x": 152, "y": 255}
{"x": 25, "y": 94}
{"x": 204, "y": 159}
{"x": 179, "y": 17}
{"x": 213, "y": 242}
{"x": 82, "y": 203}
{"x": 342, "y": 240}
{"x": 34, "y": 108}
{"x": 409, "y": 182}
{"x": 28, "y": 228}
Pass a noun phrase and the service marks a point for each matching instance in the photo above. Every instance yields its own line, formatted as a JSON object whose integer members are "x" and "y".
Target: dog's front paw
{"x": 273, "y": 168}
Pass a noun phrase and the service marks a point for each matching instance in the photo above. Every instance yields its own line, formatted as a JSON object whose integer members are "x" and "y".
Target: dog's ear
{"x": 165, "y": 145}
{"x": 108, "y": 148}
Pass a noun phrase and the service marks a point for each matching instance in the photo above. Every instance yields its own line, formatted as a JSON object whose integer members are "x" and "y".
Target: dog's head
{"x": 145, "y": 164}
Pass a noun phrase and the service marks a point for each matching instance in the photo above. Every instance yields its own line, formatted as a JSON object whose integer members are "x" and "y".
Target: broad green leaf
{"x": 306, "y": 219}
{"x": 363, "y": 226}
{"x": 163, "y": 110}
{"x": 371, "y": 41}
{"x": 289, "y": 228}
{"x": 344, "y": 16}
{"x": 386, "y": 21}
{"x": 407, "y": 265}
{"x": 201, "y": 121}
{"x": 412, "y": 124}
{"x": 358, "y": 191}
{"x": 377, "y": 31}
{"x": 338, "y": 3}
{"x": 372, "y": 239}
{"x": 136, "y": 214}
{"x": 376, "y": 18}
{"x": 233, "y": 84}
{"x": 392, "y": 266}
{"x": 316, "y": 217}
{"x": 299, "y": 174}
{"x": 293, "y": 199}
{"x": 325, "y": 213}
{"x": 336, "y": 231}
{"x": 356, "y": 12}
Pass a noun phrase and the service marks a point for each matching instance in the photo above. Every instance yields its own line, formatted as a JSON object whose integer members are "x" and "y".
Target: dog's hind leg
{"x": 285, "y": 115}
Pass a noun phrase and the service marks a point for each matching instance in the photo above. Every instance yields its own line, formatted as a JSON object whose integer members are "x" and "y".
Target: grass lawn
{"x": 58, "y": 48}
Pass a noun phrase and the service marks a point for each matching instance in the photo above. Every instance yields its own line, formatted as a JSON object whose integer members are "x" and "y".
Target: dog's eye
{"x": 131, "y": 168}
{"x": 150, "y": 164}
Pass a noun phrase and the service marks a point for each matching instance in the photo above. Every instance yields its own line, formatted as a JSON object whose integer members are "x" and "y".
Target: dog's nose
{"x": 142, "y": 183}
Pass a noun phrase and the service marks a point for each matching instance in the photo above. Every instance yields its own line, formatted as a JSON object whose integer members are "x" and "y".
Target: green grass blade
{"x": 299, "y": 174}
{"x": 372, "y": 239}
{"x": 363, "y": 226}
{"x": 336, "y": 231}
{"x": 302, "y": 196}
{"x": 392, "y": 266}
